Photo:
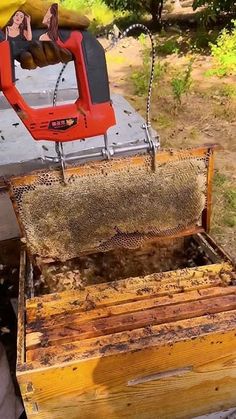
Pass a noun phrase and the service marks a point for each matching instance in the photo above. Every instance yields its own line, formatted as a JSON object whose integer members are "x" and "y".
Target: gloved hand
{"x": 43, "y": 53}
{"x": 40, "y": 54}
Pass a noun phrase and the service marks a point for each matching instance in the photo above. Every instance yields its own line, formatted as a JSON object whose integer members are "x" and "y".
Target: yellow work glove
{"x": 37, "y": 9}
{"x": 41, "y": 54}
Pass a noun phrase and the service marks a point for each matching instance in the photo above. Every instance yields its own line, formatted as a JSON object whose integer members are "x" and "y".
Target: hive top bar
{"x": 120, "y": 203}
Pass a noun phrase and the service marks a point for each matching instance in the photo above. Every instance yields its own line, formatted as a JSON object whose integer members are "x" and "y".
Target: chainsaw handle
{"x": 16, "y": 48}
{"x": 89, "y": 60}
{"x": 90, "y": 115}
{"x": 90, "y": 64}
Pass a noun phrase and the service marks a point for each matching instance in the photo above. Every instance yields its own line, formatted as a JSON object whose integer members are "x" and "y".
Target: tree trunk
{"x": 154, "y": 7}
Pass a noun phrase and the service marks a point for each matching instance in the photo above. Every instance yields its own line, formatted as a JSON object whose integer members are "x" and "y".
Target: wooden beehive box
{"x": 157, "y": 342}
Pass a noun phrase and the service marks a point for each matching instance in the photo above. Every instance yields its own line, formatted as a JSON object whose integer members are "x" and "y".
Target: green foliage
{"x": 219, "y": 179}
{"x": 141, "y": 77}
{"x": 207, "y": 16}
{"x": 170, "y": 46}
{"x": 224, "y": 210}
{"x": 227, "y": 90}
{"x": 97, "y": 11}
{"x": 135, "y": 6}
{"x": 202, "y": 39}
{"x": 163, "y": 120}
{"x": 214, "y": 7}
{"x": 75, "y": 4}
{"x": 124, "y": 19}
{"x": 142, "y": 39}
{"x": 130, "y": 5}
{"x": 230, "y": 197}
{"x": 181, "y": 83}
{"x": 224, "y": 53}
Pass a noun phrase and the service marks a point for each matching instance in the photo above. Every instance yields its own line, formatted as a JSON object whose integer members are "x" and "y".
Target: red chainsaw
{"x": 89, "y": 116}
{"x": 92, "y": 113}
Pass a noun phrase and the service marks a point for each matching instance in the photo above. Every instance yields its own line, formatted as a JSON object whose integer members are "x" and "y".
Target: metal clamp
{"x": 154, "y": 144}
{"x": 61, "y": 159}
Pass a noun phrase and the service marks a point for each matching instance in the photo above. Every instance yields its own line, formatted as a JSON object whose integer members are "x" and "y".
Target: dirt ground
{"x": 206, "y": 115}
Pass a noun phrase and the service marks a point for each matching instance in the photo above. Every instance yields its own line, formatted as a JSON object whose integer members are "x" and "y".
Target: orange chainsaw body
{"x": 90, "y": 115}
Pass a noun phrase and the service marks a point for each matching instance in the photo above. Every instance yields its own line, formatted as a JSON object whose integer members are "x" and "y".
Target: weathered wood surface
{"x": 162, "y": 346}
{"x": 21, "y": 311}
{"x": 189, "y": 369}
{"x": 70, "y": 330}
{"x": 81, "y": 317}
{"x": 206, "y": 221}
{"x": 131, "y": 289}
{"x": 161, "y": 158}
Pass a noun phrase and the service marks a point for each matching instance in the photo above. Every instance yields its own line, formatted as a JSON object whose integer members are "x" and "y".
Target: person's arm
{"x": 28, "y": 32}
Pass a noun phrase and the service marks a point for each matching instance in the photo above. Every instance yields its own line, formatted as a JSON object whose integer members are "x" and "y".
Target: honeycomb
{"x": 109, "y": 205}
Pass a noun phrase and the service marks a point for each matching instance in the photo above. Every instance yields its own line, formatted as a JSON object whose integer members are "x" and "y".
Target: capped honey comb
{"x": 109, "y": 205}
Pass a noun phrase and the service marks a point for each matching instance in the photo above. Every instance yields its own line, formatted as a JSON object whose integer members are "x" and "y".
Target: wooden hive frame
{"x": 136, "y": 222}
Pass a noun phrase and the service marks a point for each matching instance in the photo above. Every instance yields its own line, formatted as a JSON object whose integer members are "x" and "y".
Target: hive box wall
{"x": 166, "y": 353}
{"x": 179, "y": 379}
